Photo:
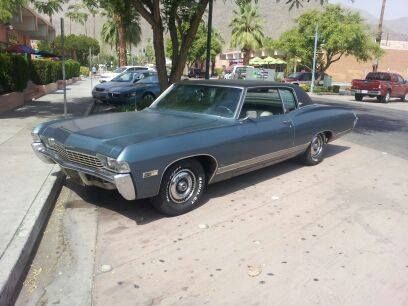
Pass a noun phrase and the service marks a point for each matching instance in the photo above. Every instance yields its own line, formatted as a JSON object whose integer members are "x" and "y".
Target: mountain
{"x": 278, "y": 18}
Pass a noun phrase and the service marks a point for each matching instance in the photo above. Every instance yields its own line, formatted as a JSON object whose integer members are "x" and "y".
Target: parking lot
{"x": 333, "y": 234}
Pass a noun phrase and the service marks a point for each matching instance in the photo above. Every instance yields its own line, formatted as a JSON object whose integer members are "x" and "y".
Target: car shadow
{"x": 142, "y": 212}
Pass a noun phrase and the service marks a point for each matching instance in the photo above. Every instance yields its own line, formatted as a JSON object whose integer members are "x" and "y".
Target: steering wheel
{"x": 224, "y": 110}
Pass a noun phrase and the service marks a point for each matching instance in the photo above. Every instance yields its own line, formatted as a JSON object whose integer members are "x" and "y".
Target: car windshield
{"x": 125, "y": 77}
{"x": 201, "y": 99}
{"x": 119, "y": 70}
{"x": 378, "y": 76}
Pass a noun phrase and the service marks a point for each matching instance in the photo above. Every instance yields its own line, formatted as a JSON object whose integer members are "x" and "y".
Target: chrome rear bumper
{"x": 108, "y": 180}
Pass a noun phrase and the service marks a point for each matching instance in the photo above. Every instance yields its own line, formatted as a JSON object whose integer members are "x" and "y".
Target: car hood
{"x": 111, "y": 133}
{"x": 110, "y": 84}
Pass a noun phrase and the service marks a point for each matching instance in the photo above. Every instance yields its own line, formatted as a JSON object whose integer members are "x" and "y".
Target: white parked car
{"x": 108, "y": 76}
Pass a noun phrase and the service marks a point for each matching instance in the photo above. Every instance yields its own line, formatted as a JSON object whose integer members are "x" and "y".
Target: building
{"x": 25, "y": 26}
{"x": 395, "y": 59}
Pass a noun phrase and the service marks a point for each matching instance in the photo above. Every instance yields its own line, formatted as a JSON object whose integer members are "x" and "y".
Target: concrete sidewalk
{"x": 28, "y": 187}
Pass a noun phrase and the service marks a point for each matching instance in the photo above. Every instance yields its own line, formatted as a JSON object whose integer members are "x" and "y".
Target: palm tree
{"x": 75, "y": 14}
{"x": 247, "y": 30}
{"x": 49, "y": 7}
{"x": 110, "y": 35}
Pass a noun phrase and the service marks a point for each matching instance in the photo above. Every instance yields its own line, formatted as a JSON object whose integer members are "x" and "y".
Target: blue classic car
{"x": 140, "y": 93}
{"x": 196, "y": 133}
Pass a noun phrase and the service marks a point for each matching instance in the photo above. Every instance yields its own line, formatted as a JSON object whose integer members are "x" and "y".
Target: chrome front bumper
{"x": 110, "y": 180}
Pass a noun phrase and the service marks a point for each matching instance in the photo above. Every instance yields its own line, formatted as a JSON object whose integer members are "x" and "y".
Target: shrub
{"x": 14, "y": 72}
{"x": 305, "y": 87}
{"x": 5, "y": 77}
{"x": 336, "y": 88}
{"x": 45, "y": 71}
{"x": 84, "y": 71}
{"x": 218, "y": 71}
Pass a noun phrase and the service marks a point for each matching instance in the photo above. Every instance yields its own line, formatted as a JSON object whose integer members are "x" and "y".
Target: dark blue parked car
{"x": 141, "y": 92}
{"x": 128, "y": 78}
{"x": 196, "y": 133}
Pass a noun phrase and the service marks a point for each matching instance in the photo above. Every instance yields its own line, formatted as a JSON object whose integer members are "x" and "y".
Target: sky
{"x": 394, "y": 9}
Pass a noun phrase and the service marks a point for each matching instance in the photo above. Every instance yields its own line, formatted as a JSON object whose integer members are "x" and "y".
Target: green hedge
{"x": 45, "y": 71}
{"x": 14, "y": 72}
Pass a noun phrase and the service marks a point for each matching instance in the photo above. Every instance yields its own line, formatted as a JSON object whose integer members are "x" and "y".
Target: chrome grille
{"x": 76, "y": 157}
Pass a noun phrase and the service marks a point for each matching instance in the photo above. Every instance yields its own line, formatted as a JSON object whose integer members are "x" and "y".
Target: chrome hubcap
{"x": 317, "y": 146}
{"x": 182, "y": 185}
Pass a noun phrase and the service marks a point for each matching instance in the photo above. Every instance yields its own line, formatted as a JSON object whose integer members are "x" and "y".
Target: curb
{"x": 19, "y": 253}
{"x": 20, "y": 250}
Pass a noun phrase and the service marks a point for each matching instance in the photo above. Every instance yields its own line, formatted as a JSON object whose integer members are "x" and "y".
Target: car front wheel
{"x": 181, "y": 189}
{"x": 315, "y": 152}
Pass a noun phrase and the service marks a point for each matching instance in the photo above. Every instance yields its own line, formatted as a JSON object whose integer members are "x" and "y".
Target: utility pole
{"x": 380, "y": 32}
{"x": 90, "y": 65}
{"x": 209, "y": 25}
{"x": 314, "y": 58}
{"x": 63, "y": 69}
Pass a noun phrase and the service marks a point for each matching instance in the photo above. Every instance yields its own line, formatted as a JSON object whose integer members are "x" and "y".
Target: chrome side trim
{"x": 342, "y": 133}
{"x": 262, "y": 158}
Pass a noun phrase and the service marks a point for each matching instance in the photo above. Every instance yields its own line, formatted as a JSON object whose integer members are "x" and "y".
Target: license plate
{"x": 364, "y": 91}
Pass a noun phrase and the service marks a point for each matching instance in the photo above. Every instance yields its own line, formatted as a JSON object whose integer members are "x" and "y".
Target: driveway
{"x": 333, "y": 234}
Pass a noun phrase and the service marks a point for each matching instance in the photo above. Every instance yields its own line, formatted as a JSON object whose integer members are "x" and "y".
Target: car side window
{"x": 400, "y": 79}
{"x": 288, "y": 99}
{"x": 265, "y": 102}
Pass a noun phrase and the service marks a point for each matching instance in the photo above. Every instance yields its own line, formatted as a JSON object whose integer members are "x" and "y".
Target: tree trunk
{"x": 160, "y": 55}
{"x": 122, "y": 42}
{"x": 94, "y": 26}
{"x": 247, "y": 55}
{"x": 186, "y": 42}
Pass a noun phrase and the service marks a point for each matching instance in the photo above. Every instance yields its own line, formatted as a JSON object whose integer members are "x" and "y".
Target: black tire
{"x": 358, "y": 97}
{"x": 315, "y": 152}
{"x": 387, "y": 97}
{"x": 149, "y": 97}
{"x": 404, "y": 98}
{"x": 181, "y": 188}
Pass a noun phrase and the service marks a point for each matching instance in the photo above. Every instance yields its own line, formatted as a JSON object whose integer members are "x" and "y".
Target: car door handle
{"x": 287, "y": 122}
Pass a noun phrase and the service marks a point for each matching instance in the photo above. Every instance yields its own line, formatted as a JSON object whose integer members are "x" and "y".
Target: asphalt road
{"x": 379, "y": 127}
{"x": 334, "y": 234}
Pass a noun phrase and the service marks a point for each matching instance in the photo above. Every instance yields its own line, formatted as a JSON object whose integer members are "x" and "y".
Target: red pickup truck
{"x": 383, "y": 85}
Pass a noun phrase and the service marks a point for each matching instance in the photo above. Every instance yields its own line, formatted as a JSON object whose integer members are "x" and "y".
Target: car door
{"x": 268, "y": 132}
{"x": 401, "y": 86}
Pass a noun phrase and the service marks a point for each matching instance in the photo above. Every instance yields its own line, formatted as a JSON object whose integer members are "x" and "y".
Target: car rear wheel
{"x": 386, "y": 98}
{"x": 358, "y": 97}
{"x": 404, "y": 98}
{"x": 315, "y": 152}
{"x": 181, "y": 189}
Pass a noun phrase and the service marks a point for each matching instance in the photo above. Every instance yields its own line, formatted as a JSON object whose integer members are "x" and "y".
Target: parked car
{"x": 195, "y": 134}
{"x": 382, "y": 85}
{"x": 100, "y": 91}
{"x": 195, "y": 73}
{"x": 110, "y": 75}
{"x": 142, "y": 92}
{"x": 237, "y": 72}
{"x": 298, "y": 78}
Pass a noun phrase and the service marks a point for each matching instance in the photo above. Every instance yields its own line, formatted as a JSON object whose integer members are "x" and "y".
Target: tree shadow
{"x": 142, "y": 212}
{"x": 45, "y": 108}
